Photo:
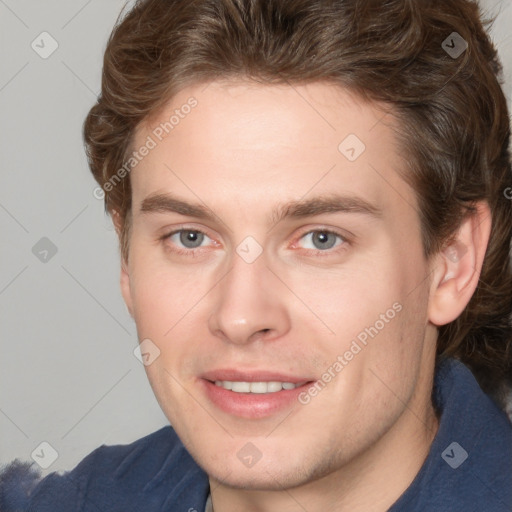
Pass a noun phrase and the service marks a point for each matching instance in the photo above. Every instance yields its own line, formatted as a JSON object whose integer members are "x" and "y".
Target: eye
{"x": 188, "y": 238}
{"x": 321, "y": 240}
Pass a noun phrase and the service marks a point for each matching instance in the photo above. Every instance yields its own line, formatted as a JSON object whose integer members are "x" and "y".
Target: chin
{"x": 258, "y": 480}
{"x": 268, "y": 474}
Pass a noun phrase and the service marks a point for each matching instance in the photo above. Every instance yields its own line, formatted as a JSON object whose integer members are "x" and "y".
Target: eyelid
{"x": 321, "y": 229}
{"x": 167, "y": 232}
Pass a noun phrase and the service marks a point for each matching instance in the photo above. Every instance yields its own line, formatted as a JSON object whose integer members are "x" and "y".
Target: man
{"x": 314, "y": 228}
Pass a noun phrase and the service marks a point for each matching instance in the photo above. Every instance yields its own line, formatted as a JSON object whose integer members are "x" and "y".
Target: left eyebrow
{"x": 325, "y": 204}
{"x": 167, "y": 203}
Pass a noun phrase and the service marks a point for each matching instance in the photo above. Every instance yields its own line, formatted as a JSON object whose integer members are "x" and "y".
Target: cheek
{"x": 347, "y": 301}
{"x": 162, "y": 295}
{"x": 152, "y": 301}
{"x": 378, "y": 305}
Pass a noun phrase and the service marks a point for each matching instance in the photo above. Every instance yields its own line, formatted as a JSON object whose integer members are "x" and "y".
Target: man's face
{"x": 300, "y": 262}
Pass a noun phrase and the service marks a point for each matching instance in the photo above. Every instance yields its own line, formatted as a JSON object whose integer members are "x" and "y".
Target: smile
{"x": 257, "y": 387}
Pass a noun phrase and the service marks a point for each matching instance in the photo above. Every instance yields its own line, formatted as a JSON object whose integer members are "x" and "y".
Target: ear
{"x": 125, "y": 274}
{"x": 117, "y": 221}
{"x": 125, "y": 286}
{"x": 457, "y": 268}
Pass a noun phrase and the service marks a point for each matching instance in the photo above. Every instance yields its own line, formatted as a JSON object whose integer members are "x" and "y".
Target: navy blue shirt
{"x": 468, "y": 468}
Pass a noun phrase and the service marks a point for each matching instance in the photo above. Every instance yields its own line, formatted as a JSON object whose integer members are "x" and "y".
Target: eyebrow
{"x": 333, "y": 203}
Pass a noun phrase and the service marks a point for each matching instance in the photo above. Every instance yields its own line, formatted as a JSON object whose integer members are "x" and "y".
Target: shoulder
{"x": 144, "y": 475}
{"x": 17, "y": 481}
{"x": 475, "y": 443}
{"x": 469, "y": 465}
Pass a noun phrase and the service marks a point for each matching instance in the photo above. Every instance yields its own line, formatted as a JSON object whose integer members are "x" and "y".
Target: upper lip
{"x": 252, "y": 376}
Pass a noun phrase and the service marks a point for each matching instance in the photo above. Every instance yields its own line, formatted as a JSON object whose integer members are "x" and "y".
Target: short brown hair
{"x": 453, "y": 114}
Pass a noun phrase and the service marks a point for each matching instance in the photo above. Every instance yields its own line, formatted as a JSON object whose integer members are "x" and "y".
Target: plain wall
{"x": 68, "y": 375}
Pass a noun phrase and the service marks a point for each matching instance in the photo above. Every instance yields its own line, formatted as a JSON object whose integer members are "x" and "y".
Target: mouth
{"x": 252, "y": 395}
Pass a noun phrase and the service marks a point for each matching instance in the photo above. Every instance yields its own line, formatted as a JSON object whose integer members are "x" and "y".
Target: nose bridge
{"x": 245, "y": 307}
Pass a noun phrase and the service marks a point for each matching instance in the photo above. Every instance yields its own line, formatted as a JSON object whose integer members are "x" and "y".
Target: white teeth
{"x": 272, "y": 387}
{"x": 241, "y": 387}
{"x": 259, "y": 387}
{"x": 256, "y": 387}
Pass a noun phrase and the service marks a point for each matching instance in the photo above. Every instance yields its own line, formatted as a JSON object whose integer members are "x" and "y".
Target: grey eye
{"x": 321, "y": 240}
{"x": 191, "y": 239}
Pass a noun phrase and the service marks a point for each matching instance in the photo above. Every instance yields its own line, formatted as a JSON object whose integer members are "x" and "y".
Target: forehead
{"x": 261, "y": 143}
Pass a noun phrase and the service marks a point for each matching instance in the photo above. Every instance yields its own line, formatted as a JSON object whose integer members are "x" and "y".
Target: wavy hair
{"x": 454, "y": 125}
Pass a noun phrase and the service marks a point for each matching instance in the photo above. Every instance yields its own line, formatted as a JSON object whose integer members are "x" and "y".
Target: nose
{"x": 250, "y": 304}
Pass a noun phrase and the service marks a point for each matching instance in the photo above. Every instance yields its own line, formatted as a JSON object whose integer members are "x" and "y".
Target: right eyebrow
{"x": 166, "y": 203}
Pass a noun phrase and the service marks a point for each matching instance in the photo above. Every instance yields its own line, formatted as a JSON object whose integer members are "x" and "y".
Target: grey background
{"x": 68, "y": 375}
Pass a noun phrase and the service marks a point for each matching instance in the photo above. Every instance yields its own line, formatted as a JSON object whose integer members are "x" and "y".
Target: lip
{"x": 251, "y": 405}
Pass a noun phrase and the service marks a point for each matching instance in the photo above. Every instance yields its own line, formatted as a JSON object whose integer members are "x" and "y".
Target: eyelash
{"x": 318, "y": 253}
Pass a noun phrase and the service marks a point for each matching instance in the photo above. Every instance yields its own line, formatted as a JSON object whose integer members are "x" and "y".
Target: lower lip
{"x": 251, "y": 405}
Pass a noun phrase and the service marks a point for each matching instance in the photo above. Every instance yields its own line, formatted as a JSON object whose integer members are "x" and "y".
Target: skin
{"x": 243, "y": 151}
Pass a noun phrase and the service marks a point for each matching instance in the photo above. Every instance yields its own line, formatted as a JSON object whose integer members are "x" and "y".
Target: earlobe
{"x": 457, "y": 268}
